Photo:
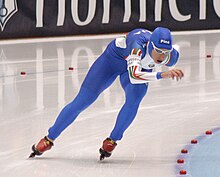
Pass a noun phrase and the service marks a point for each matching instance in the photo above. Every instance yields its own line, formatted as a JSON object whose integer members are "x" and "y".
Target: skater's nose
{"x": 162, "y": 57}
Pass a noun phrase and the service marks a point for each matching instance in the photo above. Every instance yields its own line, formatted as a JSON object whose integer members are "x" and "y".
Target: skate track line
{"x": 202, "y": 158}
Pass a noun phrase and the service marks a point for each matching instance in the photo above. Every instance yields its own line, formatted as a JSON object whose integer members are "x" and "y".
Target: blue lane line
{"x": 203, "y": 158}
{"x": 49, "y": 71}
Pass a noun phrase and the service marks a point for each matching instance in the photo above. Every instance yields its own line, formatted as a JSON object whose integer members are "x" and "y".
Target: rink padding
{"x": 202, "y": 157}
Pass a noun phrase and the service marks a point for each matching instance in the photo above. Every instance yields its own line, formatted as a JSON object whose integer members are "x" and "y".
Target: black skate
{"x": 107, "y": 148}
{"x": 43, "y": 145}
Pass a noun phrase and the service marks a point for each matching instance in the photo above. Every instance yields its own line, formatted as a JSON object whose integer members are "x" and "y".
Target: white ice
{"x": 171, "y": 114}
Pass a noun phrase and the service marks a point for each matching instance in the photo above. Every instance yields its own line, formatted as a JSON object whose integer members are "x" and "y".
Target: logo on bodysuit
{"x": 151, "y": 65}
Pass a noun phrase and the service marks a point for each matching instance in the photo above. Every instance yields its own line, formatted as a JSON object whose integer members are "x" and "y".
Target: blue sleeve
{"x": 159, "y": 76}
{"x": 137, "y": 39}
{"x": 133, "y": 48}
{"x": 174, "y": 56}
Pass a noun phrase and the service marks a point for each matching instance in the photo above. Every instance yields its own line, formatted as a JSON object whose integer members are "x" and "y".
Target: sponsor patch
{"x": 163, "y": 41}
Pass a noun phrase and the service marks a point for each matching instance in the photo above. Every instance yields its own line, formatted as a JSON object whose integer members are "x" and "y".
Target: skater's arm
{"x": 173, "y": 58}
{"x": 136, "y": 75}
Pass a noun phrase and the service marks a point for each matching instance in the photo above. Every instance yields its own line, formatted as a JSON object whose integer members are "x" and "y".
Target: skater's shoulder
{"x": 139, "y": 36}
{"x": 140, "y": 31}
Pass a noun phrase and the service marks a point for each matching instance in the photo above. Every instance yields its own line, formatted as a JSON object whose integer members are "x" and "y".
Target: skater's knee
{"x": 135, "y": 95}
{"x": 84, "y": 98}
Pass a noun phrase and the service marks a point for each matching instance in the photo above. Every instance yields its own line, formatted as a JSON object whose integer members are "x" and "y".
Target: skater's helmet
{"x": 160, "y": 38}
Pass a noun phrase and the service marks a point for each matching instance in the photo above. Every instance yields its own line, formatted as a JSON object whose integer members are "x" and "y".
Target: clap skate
{"x": 107, "y": 148}
{"x": 43, "y": 145}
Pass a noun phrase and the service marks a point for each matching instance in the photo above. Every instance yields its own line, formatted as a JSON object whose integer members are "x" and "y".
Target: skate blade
{"x": 102, "y": 157}
{"x": 32, "y": 155}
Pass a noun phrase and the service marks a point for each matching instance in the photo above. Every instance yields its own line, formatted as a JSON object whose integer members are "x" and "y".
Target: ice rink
{"x": 171, "y": 114}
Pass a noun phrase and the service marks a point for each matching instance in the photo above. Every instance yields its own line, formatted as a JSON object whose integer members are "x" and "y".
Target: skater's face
{"x": 160, "y": 55}
{"x": 158, "y": 58}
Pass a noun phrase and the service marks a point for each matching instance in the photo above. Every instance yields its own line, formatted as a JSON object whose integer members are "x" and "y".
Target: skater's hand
{"x": 174, "y": 73}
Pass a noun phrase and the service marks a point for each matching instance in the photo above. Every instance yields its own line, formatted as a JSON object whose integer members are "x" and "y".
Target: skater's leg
{"x": 69, "y": 113}
{"x": 100, "y": 76}
{"x": 134, "y": 94}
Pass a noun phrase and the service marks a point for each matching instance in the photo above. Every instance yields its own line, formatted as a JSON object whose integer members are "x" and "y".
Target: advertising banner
{"x": 41, "y": 18}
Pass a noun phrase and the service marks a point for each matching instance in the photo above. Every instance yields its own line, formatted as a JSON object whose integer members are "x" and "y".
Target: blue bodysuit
{"x": 127, "y": 57}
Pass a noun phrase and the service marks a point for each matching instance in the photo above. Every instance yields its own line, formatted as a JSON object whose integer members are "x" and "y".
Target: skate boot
{"x": 107, "y": 148}
{"x": 43, "y": 145}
